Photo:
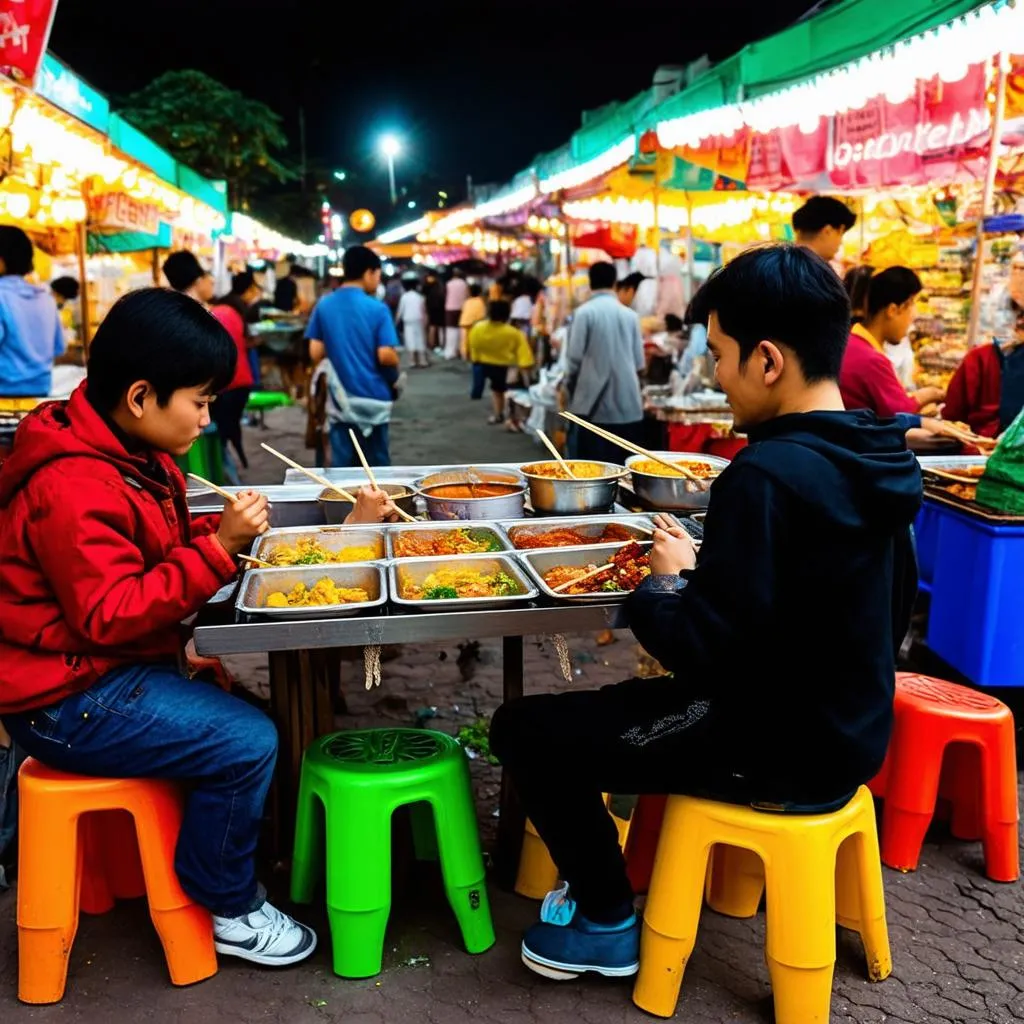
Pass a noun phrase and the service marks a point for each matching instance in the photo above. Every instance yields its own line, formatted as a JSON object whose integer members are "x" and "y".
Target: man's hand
{"x": 673, "y": 549}
{"x": 928, "y": 396}
{"x": 243, "y": 522}
{"x": 372, "y": 506}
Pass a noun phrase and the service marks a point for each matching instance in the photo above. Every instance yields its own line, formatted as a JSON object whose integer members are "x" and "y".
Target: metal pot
{"x": 673, "y": 492}
{"x": 573, "y": 497}
{"x": 336, "y": 508}
{"x": 502, "y": 506}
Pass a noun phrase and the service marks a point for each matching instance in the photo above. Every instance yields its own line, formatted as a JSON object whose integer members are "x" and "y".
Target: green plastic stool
{"x": 360, "y": 777}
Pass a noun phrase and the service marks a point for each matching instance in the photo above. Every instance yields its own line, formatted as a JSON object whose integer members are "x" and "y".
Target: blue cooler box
{"x": 976, "y": 621}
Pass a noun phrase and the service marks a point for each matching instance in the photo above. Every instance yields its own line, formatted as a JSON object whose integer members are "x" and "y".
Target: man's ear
{"x": 772, "y": 361}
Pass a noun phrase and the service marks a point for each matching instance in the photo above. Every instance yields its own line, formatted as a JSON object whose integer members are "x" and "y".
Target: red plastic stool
{"x": 951, "y": 742}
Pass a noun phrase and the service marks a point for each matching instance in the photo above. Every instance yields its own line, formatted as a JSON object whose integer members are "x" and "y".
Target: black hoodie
{"x": 790, "y": 623}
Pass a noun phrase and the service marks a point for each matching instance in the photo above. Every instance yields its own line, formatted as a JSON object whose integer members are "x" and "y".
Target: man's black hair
{"x": 896, "y": 284}
{"x": 163, "y": 337}
{"x": 631, "y": 281}
{"x": 499, "y": 310}
{"x": 602, "y": 276}
{"x": 820, "y": 212}
{"x": 476, "y": 290}
{"x": 781, "y": 293}
{"x": 673, "y": 323}
{"x": 242, "y": 282}
{"x": 410, "y": 284}
{"x": 182, "y": 270}
{"x": 357, "y": 261}
{"x": 856, "y": 281}
{"x": 15, "y": 251}
{"x": 66, "y": 287}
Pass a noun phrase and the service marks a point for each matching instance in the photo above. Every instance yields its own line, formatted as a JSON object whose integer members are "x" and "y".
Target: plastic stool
{"x": 964, "y": 738}
{"x": 820, "y": 869}
{"x": 62, "y": 841}
{"x": 359, "y": 779}
{"x": 642, "y": 845}
{"x": 537, "y": 874}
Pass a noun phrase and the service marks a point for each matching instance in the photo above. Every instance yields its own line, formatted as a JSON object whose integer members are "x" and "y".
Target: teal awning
{"x": 213, "y": 193}
{"x": 141, "y": 147}
{"x": 129, "y": 241}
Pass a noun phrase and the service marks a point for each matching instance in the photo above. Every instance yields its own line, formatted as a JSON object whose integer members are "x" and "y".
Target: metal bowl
{"x": 502, "y": 506}
{"x": 673, "y": 492}
{"x": 336, "y": 508}
{"x": 573, "y": 497}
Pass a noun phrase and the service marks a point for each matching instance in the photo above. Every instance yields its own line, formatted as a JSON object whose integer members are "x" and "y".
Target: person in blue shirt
{"x": 31, "y": 334}
{"x": 355, "y": 331}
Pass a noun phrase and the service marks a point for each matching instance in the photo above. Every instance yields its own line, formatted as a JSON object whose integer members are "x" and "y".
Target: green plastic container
{"x": 204, "y": 458}
{"x": 358, "y": 779}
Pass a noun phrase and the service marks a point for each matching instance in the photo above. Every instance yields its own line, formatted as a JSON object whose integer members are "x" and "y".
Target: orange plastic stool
{"x": 77, "y": 850}
{"x": 957, "y": 743}
{"x": 820, "y": 870}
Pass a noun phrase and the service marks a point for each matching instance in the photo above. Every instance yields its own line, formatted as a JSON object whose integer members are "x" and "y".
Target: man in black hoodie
{"x": 780, "y": 636}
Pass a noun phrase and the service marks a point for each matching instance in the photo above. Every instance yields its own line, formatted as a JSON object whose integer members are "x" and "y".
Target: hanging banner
{"x": 619, "y": 241}
{"x": 117, "y": 211}
{"x": 24, "y": 32}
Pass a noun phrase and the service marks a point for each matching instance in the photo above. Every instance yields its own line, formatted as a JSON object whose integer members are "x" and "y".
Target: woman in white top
{"x": 411, "y": 316}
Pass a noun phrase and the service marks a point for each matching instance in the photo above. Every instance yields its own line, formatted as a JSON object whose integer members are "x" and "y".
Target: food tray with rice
{"x": 319, "y": 591}
{"x": 326, "y": 545}
{"x": 575, "y": 531}
{"x": 460, "y": 582}
{"x": 431, "y": 540}
{"x": 555, "y": 567}
{"x": 592, "y": 487}
{"x": 656, "y": 486}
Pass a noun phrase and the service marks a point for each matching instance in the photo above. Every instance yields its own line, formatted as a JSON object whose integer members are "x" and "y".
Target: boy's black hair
{"x": 66, "y": 287}
{"x": 602, "y": 276}
{"x": 631, "y": 281}
{"x": 242, "y": 282}
{"x": 182, "y": 270}
{"x": 163, "y": 337}
{"x": 856, "y": 281}
{"x": 15, "y": 251}
{"x": 499, "y": 310}
{"x": 673, "y": 323}
{"x": 820, "y": 212}
{"x": 895, "y": 284}
{"x": 410, "y": 284}
{"x": 780, "y": 293}
{"x": 476, "y": 290}
{"x": 357, "y": 261}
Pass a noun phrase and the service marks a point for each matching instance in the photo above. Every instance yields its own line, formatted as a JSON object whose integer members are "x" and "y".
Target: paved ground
{"x": 958, "y": 940}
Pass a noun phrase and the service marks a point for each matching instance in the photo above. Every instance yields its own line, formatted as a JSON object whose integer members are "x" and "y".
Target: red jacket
{"x": 868, "y": 380}
{"x": 976, "y": 390}
{"x": 98, "y": 561}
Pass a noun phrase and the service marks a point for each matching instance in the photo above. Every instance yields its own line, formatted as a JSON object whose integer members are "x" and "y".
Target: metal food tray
{"x": 259, "y": 583}
{"x": 640, "y": 527}
{"x": 472, "y": 525}
{"x": 539, "y": 562}
{"x": 420, "y": 568}
{"x": 334, "y": 538}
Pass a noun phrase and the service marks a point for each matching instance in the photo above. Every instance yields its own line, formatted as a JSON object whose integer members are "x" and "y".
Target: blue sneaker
{"x": 565, "y": 944}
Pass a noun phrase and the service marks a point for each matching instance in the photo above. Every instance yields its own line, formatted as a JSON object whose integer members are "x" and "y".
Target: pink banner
{"x": 24, "y": 32}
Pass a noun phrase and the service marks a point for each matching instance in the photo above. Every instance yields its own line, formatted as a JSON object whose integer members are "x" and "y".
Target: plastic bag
{"x": 1001, "y": 487}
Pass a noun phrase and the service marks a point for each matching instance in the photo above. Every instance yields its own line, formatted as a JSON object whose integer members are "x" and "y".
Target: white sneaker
{"x": 265, "y": 936}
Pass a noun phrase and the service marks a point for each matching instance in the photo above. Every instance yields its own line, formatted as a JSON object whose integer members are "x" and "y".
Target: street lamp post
{"x": 391, "y": 147}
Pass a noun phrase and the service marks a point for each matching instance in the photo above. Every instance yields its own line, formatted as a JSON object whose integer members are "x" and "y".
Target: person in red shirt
{"x": 867, "y": 379}
{"x": 987, "y": 390}
{"x": 231, "y": 311}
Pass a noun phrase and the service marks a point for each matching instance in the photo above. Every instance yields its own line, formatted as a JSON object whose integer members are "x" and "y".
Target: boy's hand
{"x": 673, "y": 549}
{"x": 372, "y": 506}
{"x": 243, "y": 521}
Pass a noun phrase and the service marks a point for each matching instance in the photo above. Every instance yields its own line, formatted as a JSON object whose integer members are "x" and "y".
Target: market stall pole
{"x": 986, "y": 197}
{"x": 305, "y": 661}
{"x": 83, "y": 240}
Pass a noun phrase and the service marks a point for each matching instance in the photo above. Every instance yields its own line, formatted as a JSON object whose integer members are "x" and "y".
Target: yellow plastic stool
{"x": 820, "y": 869}
{"x": 537, "y": 874}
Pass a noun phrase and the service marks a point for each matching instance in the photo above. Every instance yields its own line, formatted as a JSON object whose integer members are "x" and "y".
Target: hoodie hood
{"x": 853, "y": 468}
{"x": 12, "y": 285}
{"x": 71, "y": 429}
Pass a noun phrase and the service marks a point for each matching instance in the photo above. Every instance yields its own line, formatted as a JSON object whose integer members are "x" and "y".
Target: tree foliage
{"x": 221, "y": 133}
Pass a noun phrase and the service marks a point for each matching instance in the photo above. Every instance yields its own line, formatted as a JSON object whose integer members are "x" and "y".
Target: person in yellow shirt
{"x": 474, "y": 309}
{"x": 495, "y": 347}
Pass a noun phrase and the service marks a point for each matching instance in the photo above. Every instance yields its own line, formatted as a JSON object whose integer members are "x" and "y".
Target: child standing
{"x": 781, "y": 636}
{"x": 495, "y": 349}
{"x": 411, "y": 315}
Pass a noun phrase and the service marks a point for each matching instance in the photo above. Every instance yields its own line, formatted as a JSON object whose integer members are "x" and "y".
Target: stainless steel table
{"x": 305, "y": 673}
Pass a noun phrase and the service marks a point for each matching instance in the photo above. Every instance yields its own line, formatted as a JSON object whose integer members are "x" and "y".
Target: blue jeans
{"x": 375, "y": 447}
{"x": 149, "y": 721}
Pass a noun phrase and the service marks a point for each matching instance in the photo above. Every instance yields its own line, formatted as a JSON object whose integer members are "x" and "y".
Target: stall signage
{"x": 64, "y": 89}
{"x": 24, "y": 32}
{"x": 117, "y": 211}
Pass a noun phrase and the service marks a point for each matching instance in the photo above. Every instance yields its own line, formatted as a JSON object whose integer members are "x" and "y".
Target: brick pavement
{"x": 957, "y": 939}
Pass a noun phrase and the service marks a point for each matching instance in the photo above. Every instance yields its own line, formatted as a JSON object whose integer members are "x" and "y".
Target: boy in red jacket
{"x": 99, "y": 565}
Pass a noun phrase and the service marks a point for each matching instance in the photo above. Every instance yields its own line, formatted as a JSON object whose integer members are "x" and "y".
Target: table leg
{"x": 513, "y": 818}
{"x": 302, "y": 686}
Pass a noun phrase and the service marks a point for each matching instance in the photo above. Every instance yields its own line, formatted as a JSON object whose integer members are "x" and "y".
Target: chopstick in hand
{"x": 258, "y": 562}
{"x": 362, "y": 458}
{"x": 226, "y": 495}
{"x": 581, "y": 579}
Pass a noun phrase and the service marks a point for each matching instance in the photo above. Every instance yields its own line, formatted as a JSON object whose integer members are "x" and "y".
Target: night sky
{"x": 472, "y": 88}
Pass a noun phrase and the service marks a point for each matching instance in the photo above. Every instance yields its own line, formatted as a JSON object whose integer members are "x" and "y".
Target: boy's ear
{"x": 772, "y": 361}
{"x": 135, "y": 397}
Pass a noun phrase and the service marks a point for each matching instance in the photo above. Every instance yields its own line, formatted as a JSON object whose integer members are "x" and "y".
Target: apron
{"x": 1011, "y": 396}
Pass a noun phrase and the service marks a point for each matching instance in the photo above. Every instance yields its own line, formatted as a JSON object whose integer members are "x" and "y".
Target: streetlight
{"x": 340, "y": 175}
{"x": 411, "y": 204}
{"x": 391, "y": 147}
